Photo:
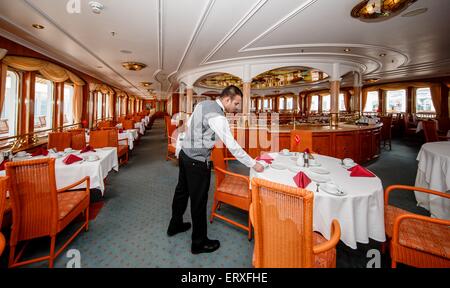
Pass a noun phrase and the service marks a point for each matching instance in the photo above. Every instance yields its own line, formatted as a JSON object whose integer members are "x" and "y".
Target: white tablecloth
{"x": 420, "y": 126}
{"x": 360, "y": 213}
{"x": 141, "y": 127}
{"x": 147, "y": 120}
{"x": 434, "y": 173}
{"x": 97, "y": 170}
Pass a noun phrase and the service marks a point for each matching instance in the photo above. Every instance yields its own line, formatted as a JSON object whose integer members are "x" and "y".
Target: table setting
{"x": 343, "y": 190}
{"x": 73, "y": 165}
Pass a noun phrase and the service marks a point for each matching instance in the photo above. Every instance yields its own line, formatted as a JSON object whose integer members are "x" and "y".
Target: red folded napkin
{"x": 88, "y": 148}
{"x": 359, "y": 171}
{"x": 266, "y": 158}
{"x": 71, "y": 159}
{"x": 120, "y": 130}
{"x": 297, "y": 139}
{"x": 40, "y": 151}
{"x": 2, "y": 166}
{"x": 302, "y": 180}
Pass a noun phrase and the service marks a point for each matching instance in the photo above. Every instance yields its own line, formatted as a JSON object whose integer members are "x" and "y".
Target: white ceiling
{"x": 173, "y": 37}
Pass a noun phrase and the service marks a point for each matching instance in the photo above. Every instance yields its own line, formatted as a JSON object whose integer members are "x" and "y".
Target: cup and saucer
{"x": 92, "y": 158}
{"x": 22, "y": 155}
{"x": 348, "y": 163}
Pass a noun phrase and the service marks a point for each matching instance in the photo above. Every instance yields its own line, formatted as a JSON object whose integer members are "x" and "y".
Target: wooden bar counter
{"x": 361, "y": 143}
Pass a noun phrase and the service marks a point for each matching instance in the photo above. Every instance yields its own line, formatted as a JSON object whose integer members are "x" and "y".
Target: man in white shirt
{"x": 207, "y": 121}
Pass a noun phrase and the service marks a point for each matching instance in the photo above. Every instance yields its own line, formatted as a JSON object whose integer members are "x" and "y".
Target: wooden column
{"x": 357, "y": 95}
{"x": 26, "y": 123}
{"x": 334, "y": 99}
{"x": 189, "y": 96}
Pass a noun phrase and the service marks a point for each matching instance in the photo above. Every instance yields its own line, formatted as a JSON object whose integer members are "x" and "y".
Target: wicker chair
{"x": 78, "y": 139}
{"x": 40, "y": 210}
{"x": 231, "y": 188}
{"x": 430, "y": 131}
{"x": 386, "y": 131}
{"x": 3, "y": 188}
{"x": 109, "y": 138}
{"x": 416, "y": 240}
{"x": 171, "y": 139}
{"x": 59, "y": 140}
{"x": 282, "y": 217}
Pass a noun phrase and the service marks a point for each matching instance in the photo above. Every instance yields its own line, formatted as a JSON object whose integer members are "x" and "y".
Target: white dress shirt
{"x": 219, "y": 124}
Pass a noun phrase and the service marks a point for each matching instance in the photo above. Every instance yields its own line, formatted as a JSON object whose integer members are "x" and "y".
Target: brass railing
{"x": 21, "y": 142}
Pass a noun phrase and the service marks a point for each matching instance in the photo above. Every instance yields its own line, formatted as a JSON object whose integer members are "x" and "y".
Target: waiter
{"x": 207, "y": 122}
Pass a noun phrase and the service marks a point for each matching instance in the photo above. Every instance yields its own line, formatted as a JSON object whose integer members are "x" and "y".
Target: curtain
{"x": 347, "y": 99}
{"x": 436, "y": 97}
{"x": 49, "y": 70}
{"x": 77, "y": 103}
{"x": 111, "y": 105}
{"x": 364, "y": 93}
{"x": 3, "y": 71}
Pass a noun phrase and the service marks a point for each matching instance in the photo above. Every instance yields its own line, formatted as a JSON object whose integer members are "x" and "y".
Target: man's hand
{"x": 258, "y": 167}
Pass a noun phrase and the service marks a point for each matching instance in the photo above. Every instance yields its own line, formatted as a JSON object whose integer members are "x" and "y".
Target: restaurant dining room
{"x": 224, "y": 134}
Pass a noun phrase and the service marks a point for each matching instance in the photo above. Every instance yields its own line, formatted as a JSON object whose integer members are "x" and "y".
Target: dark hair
{"x": 231, "y": 91}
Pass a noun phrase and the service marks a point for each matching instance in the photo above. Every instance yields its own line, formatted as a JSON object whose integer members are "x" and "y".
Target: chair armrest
{"x": 411, "y": 188}
{"x": 246, "y": 178}
{"x": 126, "y": 139}
{"x": 399, "y": 219}
{"x": 85, "y": 179}
{"x": 2, "y": 243}
{"x": 230, "y": 159}
{"x": 334, "y": 239}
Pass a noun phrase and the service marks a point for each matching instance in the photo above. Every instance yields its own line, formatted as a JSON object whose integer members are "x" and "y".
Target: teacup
{"x": 285, "y": 152}
{"x": 348, "y": 162}
{"x": 21, "y": 154}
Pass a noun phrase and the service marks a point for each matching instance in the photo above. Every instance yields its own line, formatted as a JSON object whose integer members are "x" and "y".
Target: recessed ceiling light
{"x": 37, "y": 26}
{"x": 347, "y": 50}
{"x": 146, "y": 84}
{"x": 383, "y": 55}
{"x": 372, "y": 80}
{"x": 415, "y": 12}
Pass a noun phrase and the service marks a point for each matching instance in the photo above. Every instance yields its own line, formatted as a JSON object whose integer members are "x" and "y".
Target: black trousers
{"x": 193, "y": 182}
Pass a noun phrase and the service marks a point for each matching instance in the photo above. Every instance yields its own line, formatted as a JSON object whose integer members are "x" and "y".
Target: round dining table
{"x": 360, "y": 211}
{"x": 433, "y": 172}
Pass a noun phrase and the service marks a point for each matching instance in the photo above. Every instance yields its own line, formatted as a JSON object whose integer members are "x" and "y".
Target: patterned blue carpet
{"x": 130, "y": 230}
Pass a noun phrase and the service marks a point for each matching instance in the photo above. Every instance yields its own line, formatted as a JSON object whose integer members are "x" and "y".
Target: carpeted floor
{"x": 130, "y": 228}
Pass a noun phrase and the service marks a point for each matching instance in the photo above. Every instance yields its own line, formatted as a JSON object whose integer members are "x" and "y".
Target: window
{"x": 290, "y": 103}
{"x": 281, "y": 103}
{"x": 314, "y": 103}
{"x": 326, "y": 104}
{"x": 266, "y": 104}
{"x": 259, "y": 103}
{"x": 8, "y": 121}
{"x": 373, "y": 102}
{"x": 43, "y": 104}
{"x": 107, "y": 105}
{"x": 253, "y": 104}
{"x": 396, "y": 101}
{"x": 342, "y": 102}
{"x": 424, "y": 103}
{"x": 68, "y": 104}
{"x": 99, "y": 105}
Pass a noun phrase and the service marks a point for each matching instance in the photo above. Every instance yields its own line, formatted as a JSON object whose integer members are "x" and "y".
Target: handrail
{"x": 29, "y": 139}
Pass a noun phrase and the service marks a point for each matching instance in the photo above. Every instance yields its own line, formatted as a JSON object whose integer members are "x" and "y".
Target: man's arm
{"x": 220, "y": 126}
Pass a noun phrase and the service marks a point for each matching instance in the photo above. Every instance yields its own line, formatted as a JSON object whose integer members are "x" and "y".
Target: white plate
{"x": 296, "y": 169}
{"x": 278, "y": 166}
{"x": 287, "y": 155}
{"x": 336, "y": 192}
{"x": 319, "y": 178}
{"x": 92, "y": 160}
{"x": 319, "y": 170}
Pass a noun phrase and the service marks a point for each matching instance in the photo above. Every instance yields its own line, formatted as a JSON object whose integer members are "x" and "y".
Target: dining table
{"x": 140, "y": 126}
{"x": 358, "y": 203}
{"x": 105, "y": 162}
{"x": 433, "y": 172}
